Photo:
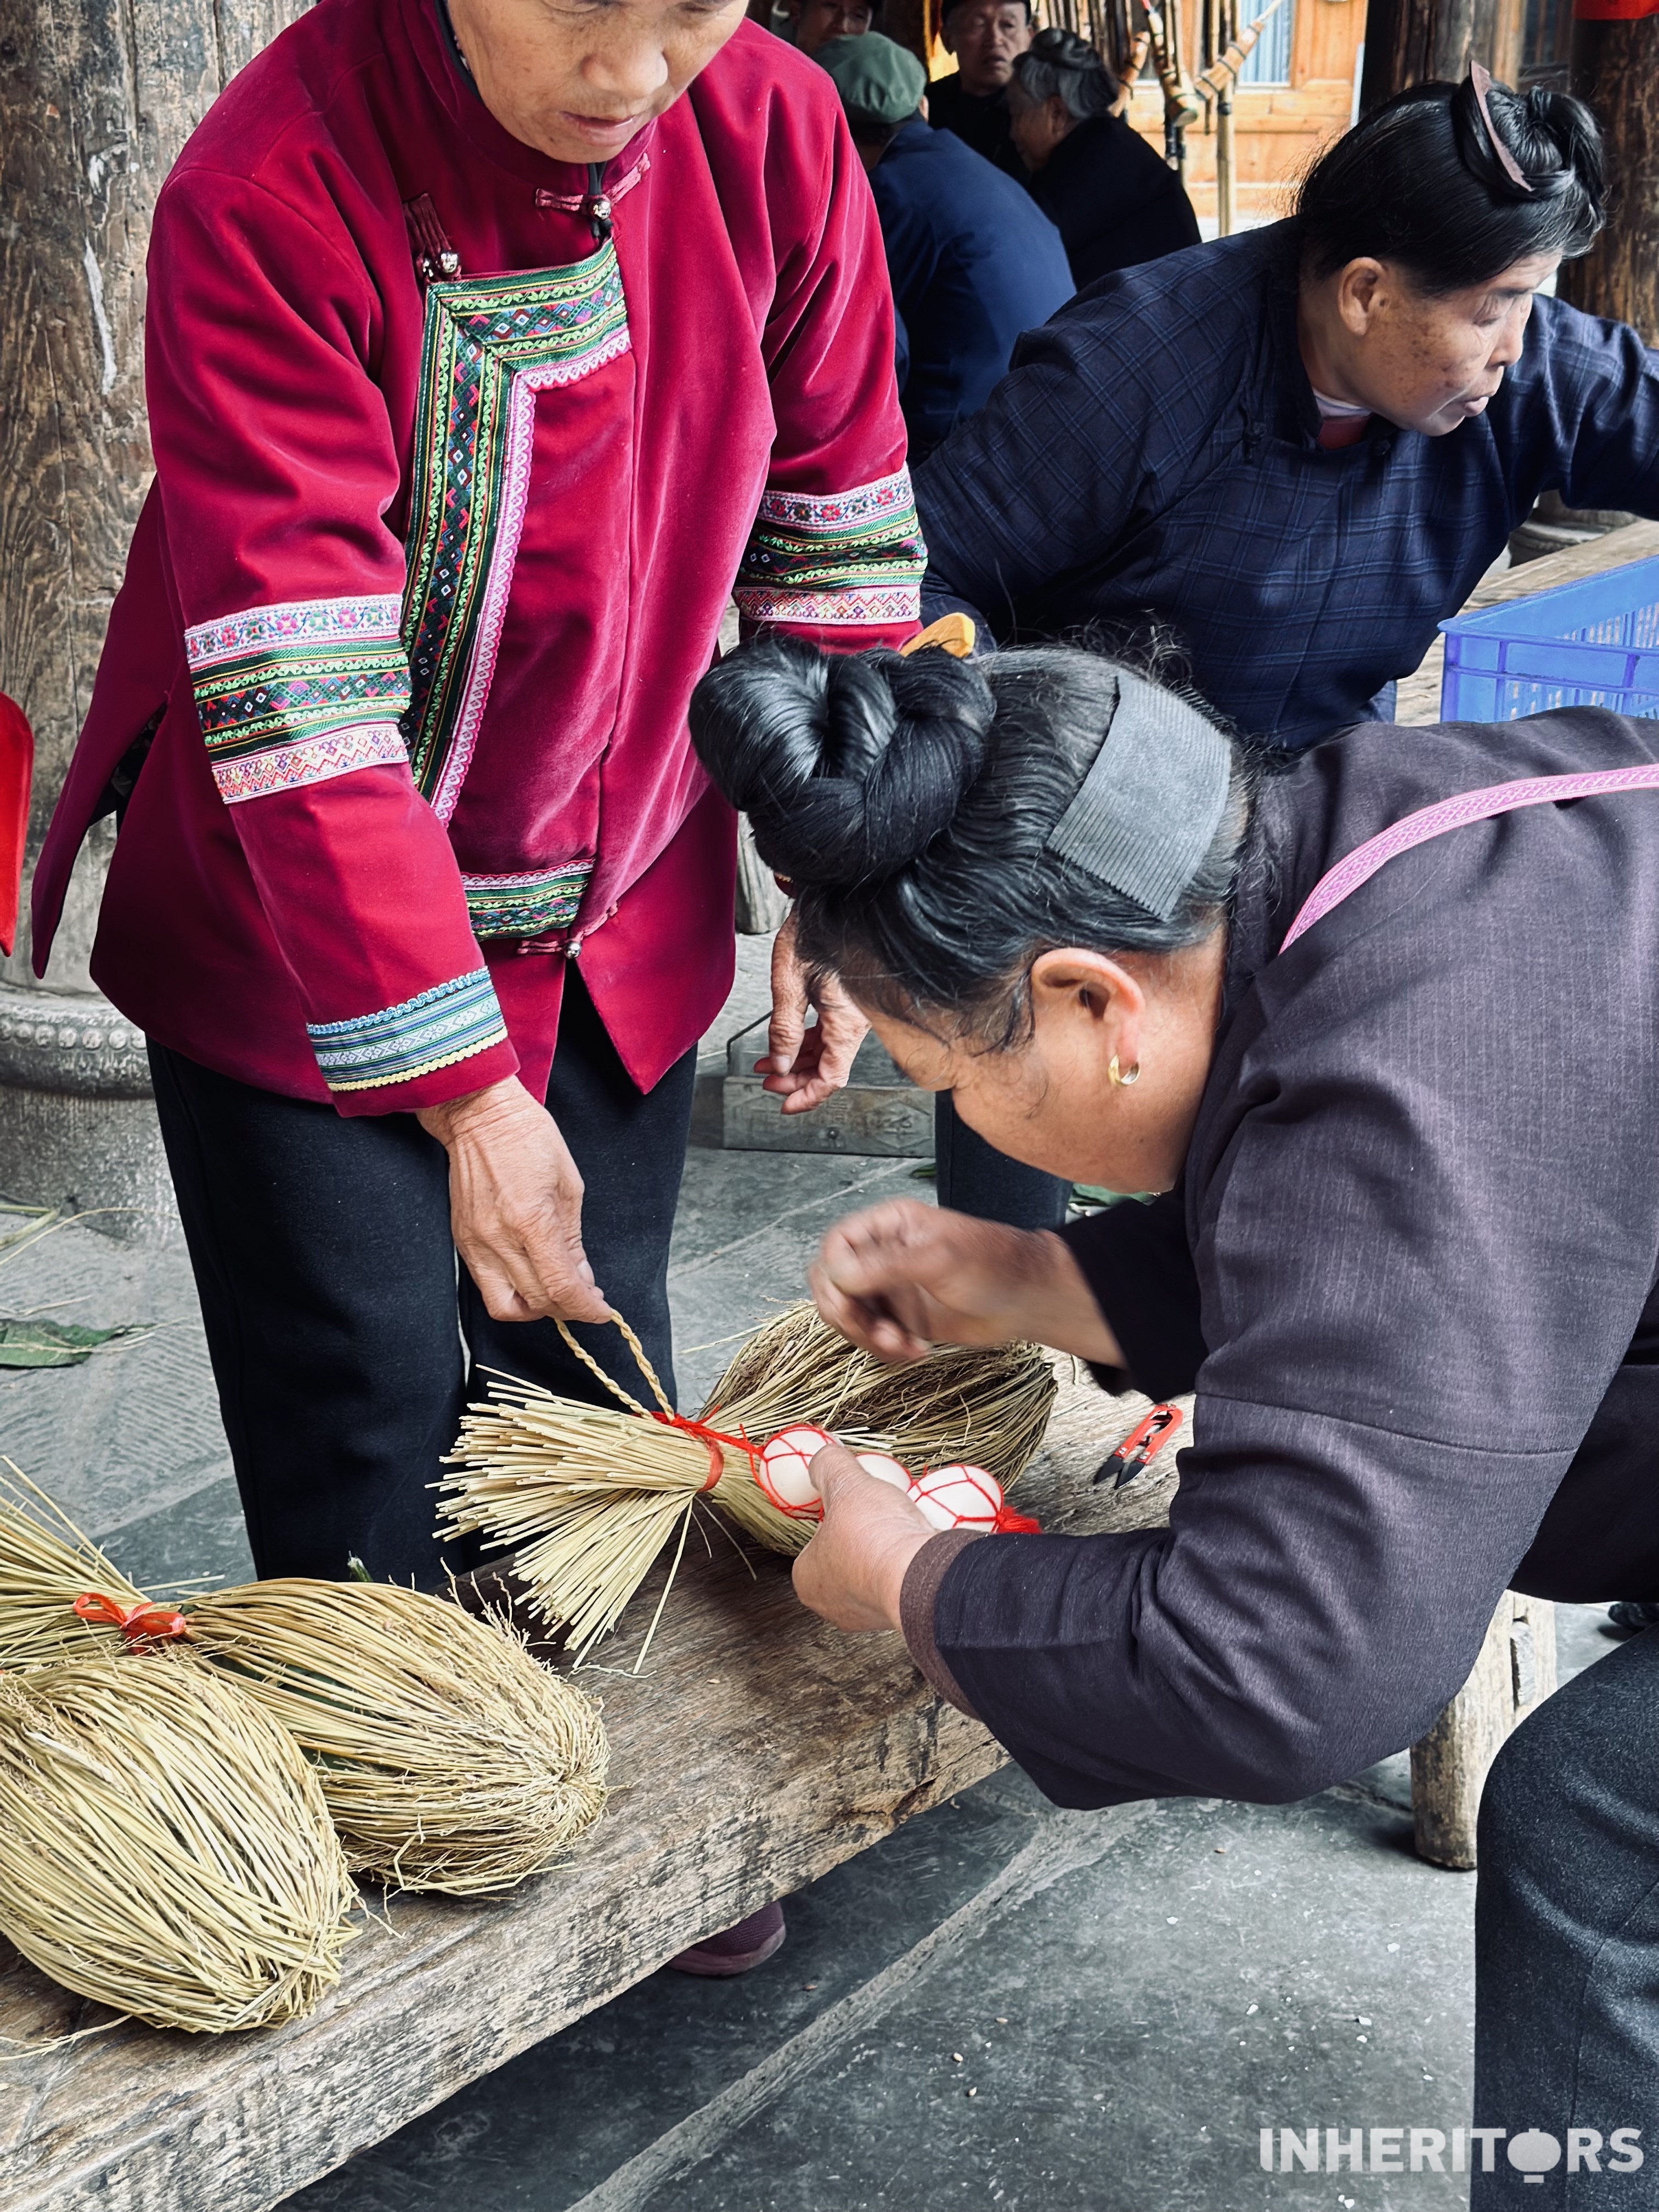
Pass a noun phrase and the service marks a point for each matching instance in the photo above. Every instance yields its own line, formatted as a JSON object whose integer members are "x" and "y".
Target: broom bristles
{"x": 46, "y": 1563}
{"x": 166, "y": 1848}
{"x": 587, "y": 1497}
{"x": 450, "y": 1760}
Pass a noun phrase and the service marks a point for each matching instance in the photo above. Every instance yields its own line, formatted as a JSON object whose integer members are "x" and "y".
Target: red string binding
{"x": 1010, "y": 1523}
{"x": 142, "y": 1623}
{"x": 712, "y": 1440}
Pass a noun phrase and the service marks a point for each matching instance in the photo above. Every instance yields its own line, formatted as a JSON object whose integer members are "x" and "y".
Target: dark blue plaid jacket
{"x": 1153, "y": 454}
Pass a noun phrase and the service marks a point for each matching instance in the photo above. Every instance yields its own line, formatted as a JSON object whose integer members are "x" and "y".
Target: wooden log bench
{"x": 758, "y": 1749}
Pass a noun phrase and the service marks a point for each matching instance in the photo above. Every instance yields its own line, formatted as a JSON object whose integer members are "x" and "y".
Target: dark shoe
{"x": 735, "y": 1950}
{"x": 494, "y": 1592}
{"x": 1629, "y": 1617}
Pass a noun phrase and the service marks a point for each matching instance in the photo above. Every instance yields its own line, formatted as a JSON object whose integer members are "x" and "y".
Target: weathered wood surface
{"x": 1615, "y": 67}
{"x": 759, "y": 1749}
{"x": 95, "y": 102}
{"x": 1408, "y": 42}
{"x": 1515, "y": 1673}
{"x": 1419, "y": 694}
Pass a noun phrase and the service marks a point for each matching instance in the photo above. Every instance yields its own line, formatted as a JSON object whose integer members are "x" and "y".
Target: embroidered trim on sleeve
{"x": 295, "y": 694}
{"x": 848, "y": 558}
{"x": 526, "y": 905}
{"x": 314, "y": 760}
{"x": 417, "y": 1038}
{"x": 491, "y": 344}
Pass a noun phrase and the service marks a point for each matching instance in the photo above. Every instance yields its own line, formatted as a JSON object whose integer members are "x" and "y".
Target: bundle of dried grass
{"x": 164, "y": 1848}
{"x": 449, "y": 1760}
{"x": 45, "y": 1564}
{"x": 586, "y": 1497}
{"x": 989, "y": 1404}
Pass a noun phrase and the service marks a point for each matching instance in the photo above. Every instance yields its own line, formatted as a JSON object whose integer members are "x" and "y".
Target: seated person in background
{"x": 813, "y": 23}
{"x": 973, "y": 263}
{"x": 1115, "y": 201}
{"x": 987, "y": 37}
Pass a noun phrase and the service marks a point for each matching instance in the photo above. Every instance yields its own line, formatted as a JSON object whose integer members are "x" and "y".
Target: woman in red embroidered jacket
{"x": 485, "y": 353}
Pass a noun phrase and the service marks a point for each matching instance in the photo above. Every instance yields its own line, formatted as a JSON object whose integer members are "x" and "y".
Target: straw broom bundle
{"x": 587, "y": 1497}
{"x": 164, "y": 1848}
{"x": 448, "y": 1759}
{"x": 989, "y": 1404}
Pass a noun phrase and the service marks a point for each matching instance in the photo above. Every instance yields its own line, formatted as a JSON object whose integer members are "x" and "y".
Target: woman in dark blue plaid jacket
{"x": 1300, "y": 448}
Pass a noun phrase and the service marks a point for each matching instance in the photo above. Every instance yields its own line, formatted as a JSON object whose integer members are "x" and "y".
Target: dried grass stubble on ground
{"x": 164, "y": 1846}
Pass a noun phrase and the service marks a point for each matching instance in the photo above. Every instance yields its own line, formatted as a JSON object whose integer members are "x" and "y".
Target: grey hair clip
{"x": 1147, "y": 811}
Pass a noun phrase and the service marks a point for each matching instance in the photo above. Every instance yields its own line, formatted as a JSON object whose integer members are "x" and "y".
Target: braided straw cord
{"x": 610, "y": 1382}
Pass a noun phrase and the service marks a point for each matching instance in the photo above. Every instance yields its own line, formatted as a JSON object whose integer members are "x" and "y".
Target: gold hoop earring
{"x": 1122, "y": 1078}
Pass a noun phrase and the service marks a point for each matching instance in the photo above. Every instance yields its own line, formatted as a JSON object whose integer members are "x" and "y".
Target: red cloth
{"x": 442, "y": 566}
{"x": 16, "y": 772}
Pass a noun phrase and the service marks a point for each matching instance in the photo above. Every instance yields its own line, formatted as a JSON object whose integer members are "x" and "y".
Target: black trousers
{"x": 339, "y": 1323}
{"x": 973, "y": 1178}
{"x": 1566, "y": 1947}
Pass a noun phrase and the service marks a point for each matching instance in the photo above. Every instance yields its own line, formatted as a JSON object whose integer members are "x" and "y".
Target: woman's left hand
{"x": 805, "y": 1066}
{"x": 853, "y": 1571}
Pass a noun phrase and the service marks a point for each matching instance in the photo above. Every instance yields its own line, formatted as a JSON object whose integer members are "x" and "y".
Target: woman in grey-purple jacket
{"x": 1407, "y": 1116}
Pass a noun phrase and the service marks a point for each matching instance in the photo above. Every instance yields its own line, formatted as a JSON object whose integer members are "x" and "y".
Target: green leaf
{"x": 51, "y": 1343}
{"x": 1094, "y": 1198}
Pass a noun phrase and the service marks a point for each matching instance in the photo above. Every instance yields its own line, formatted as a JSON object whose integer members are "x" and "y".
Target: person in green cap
{"x": 973, "y": 261}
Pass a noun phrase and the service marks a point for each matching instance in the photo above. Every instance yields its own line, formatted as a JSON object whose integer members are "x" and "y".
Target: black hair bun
{"x": 848, "y": 765}
{"x": 1066, "y": 48}
{"x": 1551, "y": 137}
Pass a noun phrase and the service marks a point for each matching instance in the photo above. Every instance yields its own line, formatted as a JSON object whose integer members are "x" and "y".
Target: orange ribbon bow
{"x": 142, "y": 1623}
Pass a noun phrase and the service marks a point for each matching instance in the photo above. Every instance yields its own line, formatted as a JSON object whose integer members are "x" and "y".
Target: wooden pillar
{"x": 1615, "y": 67}
{"x": 1515, "y": 1672}
{"x": 96, "y": 99}
{"x": 1409, "y": 41}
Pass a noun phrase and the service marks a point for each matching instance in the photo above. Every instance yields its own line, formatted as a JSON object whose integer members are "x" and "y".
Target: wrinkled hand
{"x": 853, "y": 1571}
{"x": 903, "y": 1276}
{"x": 515, "y": 1204}
{"x": 804, "y": 1066}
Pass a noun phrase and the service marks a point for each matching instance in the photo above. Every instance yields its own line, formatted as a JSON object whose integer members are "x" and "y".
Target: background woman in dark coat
{"x": 1410, "y": 1268}
{"x": 1106, "y": 192}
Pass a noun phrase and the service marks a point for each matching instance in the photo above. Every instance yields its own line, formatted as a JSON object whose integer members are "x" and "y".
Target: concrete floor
{"x": 1003, "y": 2005}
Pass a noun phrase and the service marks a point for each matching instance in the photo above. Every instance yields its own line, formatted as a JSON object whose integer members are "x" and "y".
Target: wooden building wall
{"x": 1280, "y": 126}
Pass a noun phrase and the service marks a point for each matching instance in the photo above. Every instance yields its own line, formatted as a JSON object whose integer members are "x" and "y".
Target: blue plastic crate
{"x": 1594, "y": 644}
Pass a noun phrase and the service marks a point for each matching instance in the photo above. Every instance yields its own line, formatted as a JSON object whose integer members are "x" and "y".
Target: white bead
{"x": 784, "y": 1472}
{"x": 885, "y": 1468}
{"x": 957, "y": 1496}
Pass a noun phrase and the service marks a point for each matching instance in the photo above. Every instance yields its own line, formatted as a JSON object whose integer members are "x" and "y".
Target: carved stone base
{"x": 77, "y": 1116}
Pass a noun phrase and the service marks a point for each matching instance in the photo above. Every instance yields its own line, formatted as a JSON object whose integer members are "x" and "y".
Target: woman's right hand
{"x": 902, "y": 1276}
{"x": 515, "y": 1204}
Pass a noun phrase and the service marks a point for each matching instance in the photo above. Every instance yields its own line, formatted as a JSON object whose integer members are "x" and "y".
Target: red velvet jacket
{"x": 434, "y": 557}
